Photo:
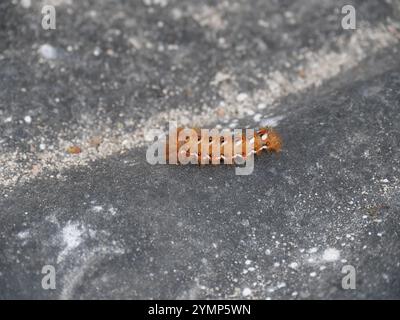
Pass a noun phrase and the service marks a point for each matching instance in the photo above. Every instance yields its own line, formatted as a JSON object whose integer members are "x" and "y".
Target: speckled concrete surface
{"x": 114, "y": 226}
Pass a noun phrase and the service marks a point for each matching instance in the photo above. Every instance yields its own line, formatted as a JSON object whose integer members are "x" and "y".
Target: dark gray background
{"x": 114, "y": 226}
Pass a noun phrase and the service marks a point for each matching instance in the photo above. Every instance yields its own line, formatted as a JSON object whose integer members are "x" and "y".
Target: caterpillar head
{"x": 270, "y": 139}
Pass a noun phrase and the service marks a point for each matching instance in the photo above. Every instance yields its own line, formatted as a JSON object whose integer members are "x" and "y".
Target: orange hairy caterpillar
{"x": 205, "y": 146}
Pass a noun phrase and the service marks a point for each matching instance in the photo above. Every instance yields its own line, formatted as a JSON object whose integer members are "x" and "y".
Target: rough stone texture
{"x": 116, "y": 227}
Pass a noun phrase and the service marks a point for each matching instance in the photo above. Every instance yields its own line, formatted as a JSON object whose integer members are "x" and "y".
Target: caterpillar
{"x": 205, "y": 146}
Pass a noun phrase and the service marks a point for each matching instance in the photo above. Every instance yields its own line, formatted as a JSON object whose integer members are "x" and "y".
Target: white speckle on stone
{"x": 267, "y": 252}
{"x": 331, "y": 254}
{"x": 312, "y": 250}
{"x": 96, "y": 51}
{"x": 257, "y": 117}
{"x": 313, "y": 274}
{"x": 28, "y": 119}
{"x": 271, "y": 122}
{"x": 97, "y": 208}
{"x": 220, "y": 77}
{"x": 48, "y": 52}
{"x": 23, "y": 234}
{"x": 245, "y": 222}
{"x": 261, "y": 106}
{"x": 249, "y": 112}
{"x": 247, "y": 262}
{"x": 176, "y": 13}
{"x": 71, "y": 236}
{"x": 281, "y": 285}
{"x": 241, "y": 97}
{"x": 385, "y": 276}
{"x": 276, "y": 264}
{"x": 113, "y": 211}
{"x": 161, "y": 3}
{"x": 294, "y": 265}
{"x": 246, "y": 292}
{"x": 26, "y": 4}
